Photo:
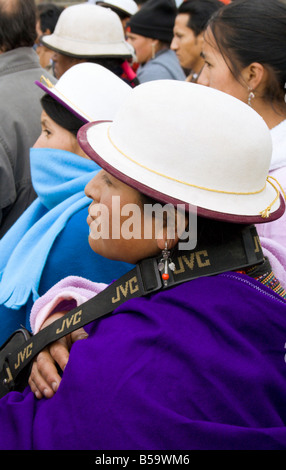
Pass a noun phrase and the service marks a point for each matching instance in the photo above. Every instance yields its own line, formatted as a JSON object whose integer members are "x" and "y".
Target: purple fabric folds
{"x": 199, "y": 366}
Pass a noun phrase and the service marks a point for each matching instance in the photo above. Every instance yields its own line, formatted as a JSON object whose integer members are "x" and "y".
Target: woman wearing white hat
{"x": 40, "y": 247}
{"x": 244, "y": 54}
{"x": 90, "y": 33}
{"x": 199, "y": 362}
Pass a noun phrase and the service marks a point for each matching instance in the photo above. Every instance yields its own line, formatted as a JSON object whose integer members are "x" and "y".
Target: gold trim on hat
{"x": 264, "y": 214}
{"x": 68, "y": 101}
{"x": 47, "y": 81}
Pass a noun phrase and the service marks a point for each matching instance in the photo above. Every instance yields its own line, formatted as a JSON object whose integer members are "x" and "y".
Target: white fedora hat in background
{"x": 86, "y": 30}
{"x": 182, "y": 142}
{"x": 129, "y": 7}
{"x": 91, "y": 92}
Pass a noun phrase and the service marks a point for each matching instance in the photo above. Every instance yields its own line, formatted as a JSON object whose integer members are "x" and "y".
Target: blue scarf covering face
{"x": 59, "y": 178}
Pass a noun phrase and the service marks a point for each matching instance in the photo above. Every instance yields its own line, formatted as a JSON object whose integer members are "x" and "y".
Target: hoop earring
{"x": 251, "y": 95}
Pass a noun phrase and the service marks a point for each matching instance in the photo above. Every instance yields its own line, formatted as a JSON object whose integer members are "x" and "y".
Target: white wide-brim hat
{"x": 125, "y": 6}
{"x": 87, "y": 30}
{"x": 91, "y": 92}
{"x": 180, "y": 142}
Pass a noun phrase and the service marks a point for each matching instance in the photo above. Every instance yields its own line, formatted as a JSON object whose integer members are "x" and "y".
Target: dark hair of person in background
{"x": 244, "y": 37}
{"x": 48, "y": 14}
{"x": 199, "y": 13}
{"x": 17, "y": 24}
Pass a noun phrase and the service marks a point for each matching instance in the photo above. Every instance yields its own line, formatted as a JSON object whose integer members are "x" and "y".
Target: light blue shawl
{"x": 59, "y": 178}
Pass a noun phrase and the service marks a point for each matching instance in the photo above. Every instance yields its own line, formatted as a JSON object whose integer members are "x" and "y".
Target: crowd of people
{"x": 123, "y": 118}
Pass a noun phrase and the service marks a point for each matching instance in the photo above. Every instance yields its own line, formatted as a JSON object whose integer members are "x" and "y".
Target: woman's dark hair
{"x": 61, "y": 115}
{"x": 249, "y": 31}
{"x": 17, "y": 24}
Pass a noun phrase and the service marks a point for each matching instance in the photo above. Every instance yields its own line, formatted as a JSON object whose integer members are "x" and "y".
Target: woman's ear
{"x": 254, "y": 75}
{"x": 173, "y": 229}
{"x": 155, "y": 42}
{"x": 162, "y": 240}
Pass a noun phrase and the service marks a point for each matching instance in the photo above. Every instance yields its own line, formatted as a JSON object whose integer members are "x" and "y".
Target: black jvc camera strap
{"x": 20, "y": 349}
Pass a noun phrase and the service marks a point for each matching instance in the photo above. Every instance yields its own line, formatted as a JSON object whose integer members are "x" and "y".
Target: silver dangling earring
{"x": 250, "y": 97}
{"x": 165, "y": 264}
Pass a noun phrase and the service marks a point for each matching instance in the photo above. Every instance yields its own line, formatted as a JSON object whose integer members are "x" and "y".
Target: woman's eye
{"x": 205, "y": 60}
{"x": 107, "y": 180}
{"x": 46, "y": 132}
{"x": 207, "y": 63}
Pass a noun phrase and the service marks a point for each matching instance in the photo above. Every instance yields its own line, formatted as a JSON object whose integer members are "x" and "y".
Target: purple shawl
{"x": 199, "y": 366}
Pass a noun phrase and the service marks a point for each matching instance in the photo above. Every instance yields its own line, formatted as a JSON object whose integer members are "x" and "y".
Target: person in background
{"x": 190, "y": 23}
{"x": 150, "y": 32}
{"x": 195, "y": 365}
{"x": 90, "y": 33}
{"x": 47, "y": 17}
{"x": 50, "y": 240}
{"x": 124, "y": 8}
{"x": 20, "y": 107}
{"x": 244, "y": 55}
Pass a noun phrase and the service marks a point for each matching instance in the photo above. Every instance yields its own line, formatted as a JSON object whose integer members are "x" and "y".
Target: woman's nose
{"x": 92, "y": 188}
